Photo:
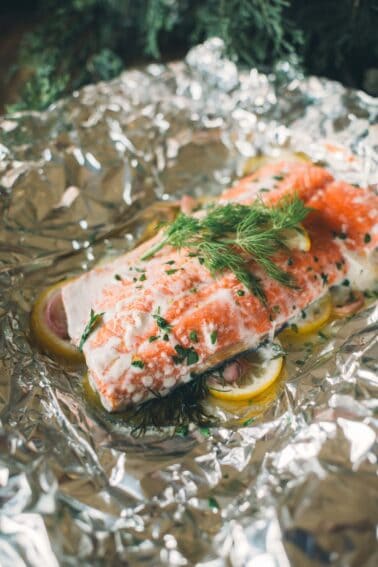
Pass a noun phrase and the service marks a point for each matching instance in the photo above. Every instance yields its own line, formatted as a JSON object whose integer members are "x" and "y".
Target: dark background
{"x": 49, "y": 47}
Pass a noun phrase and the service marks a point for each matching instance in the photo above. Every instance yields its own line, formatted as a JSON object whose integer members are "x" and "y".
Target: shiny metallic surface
{"x": 294, "y": 486}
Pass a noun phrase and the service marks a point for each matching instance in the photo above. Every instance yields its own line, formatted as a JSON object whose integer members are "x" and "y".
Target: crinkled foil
{"x": 296, "y": 485}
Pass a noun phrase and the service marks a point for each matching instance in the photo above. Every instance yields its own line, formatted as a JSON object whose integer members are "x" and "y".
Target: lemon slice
{"x": 258, "y": 371}
{"x": 297, "y": 239}
{"x": 45, "y": 337}
{"x": 312, "y": 318}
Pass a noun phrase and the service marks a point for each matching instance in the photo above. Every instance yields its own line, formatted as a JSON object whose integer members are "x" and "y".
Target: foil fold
{"x": 80, "y": 183}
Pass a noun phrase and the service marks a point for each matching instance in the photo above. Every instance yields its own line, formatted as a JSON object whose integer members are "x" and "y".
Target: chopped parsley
{"x": 213, "y": 337}
{"x": 117, "y": 277}
{"x": 152, "y": 338}
{"x": 339, "y": 265}
{"x": 205, "y": 431}
{"x": 367, "y": 238}
{"x": 162, "y": 323}
{"x": 193, "y": 336}
{"x": 182, "y": 430}
{"x": 213, "y": 503}
{"x": 187, "y": 355}
{"x": 142, "y": 278}
{"x": 240, "y": 292}
{"x": 94, "y": 320}
{"x": 278, "y": 177}
{"x": 324, "y": 278}
{"x": 138, "y": 363}
{"x": 170, "y": 272}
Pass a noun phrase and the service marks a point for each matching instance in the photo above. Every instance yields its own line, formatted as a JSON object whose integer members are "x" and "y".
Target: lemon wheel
{"x": 48, "y": 340}
{"x": 258, "y": 371}
{"x": 311, "y": 319}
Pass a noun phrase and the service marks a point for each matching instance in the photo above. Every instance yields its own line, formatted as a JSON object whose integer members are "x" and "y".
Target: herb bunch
{"x": 230, "y": 236}
{"x": 181, "y": 407}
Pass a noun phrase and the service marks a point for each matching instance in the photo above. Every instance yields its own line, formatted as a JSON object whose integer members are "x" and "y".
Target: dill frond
{"x": 181, "y": 407}
{"x": 230, "y": 236}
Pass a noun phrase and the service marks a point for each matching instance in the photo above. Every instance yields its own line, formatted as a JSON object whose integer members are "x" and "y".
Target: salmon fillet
{"x": 167, "y": 319}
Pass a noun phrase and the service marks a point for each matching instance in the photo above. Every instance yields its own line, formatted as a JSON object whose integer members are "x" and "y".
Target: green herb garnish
{"x": 94, "y": 320}
{"x": 182, "y": 431}
{"x": 230, "y": 236}
{"x": 193, "y": 336}
{"x": 152, "y": 338}
{"x": 161, "y": 322}
{"x": 240, "y": 292}
{"x": 205, "y": 431}
{"x": 138, "y": 363}
{"x": 213, "y": 503}
{"x": 187, "y": 355}
{"x": 170, "y": 272}
{"x": 367, "y": 238}
{"x": 117, "y": 277}
{"x": 213, "y": 337}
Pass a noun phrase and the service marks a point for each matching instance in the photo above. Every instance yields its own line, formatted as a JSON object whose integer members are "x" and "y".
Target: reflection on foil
{"x": 297, "y": 485}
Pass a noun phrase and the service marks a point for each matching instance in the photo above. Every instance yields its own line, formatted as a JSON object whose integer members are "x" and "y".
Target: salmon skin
{"x": 167, "y": 319}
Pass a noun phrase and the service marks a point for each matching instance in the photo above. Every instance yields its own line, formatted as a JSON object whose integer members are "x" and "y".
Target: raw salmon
{"x": 167, "y": 319}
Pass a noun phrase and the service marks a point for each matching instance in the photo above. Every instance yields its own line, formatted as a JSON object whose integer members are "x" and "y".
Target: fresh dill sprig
{"x": 94, "y": 320}
{"x": 230, "y": 236}
{"x": 181, "y": 407}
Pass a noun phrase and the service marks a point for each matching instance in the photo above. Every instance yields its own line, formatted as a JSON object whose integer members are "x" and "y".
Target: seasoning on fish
{"x": 169, "y": 311}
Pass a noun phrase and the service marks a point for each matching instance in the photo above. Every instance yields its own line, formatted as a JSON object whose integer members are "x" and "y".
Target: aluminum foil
{"x": 296, "y": 484}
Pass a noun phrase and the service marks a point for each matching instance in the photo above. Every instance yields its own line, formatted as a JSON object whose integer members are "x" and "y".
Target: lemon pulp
{"x": 259, "y": 371}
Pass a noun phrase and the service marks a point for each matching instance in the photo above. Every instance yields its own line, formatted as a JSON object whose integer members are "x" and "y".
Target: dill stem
{"x": 152, "y": 251}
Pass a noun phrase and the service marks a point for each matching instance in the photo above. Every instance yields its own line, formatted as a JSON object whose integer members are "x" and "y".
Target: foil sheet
{"x": 295, "y": 485}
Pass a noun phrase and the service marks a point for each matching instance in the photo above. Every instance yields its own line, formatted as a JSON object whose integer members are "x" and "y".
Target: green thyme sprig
{"x": 94, "y": 320}
{"x": 230, "y": 236}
